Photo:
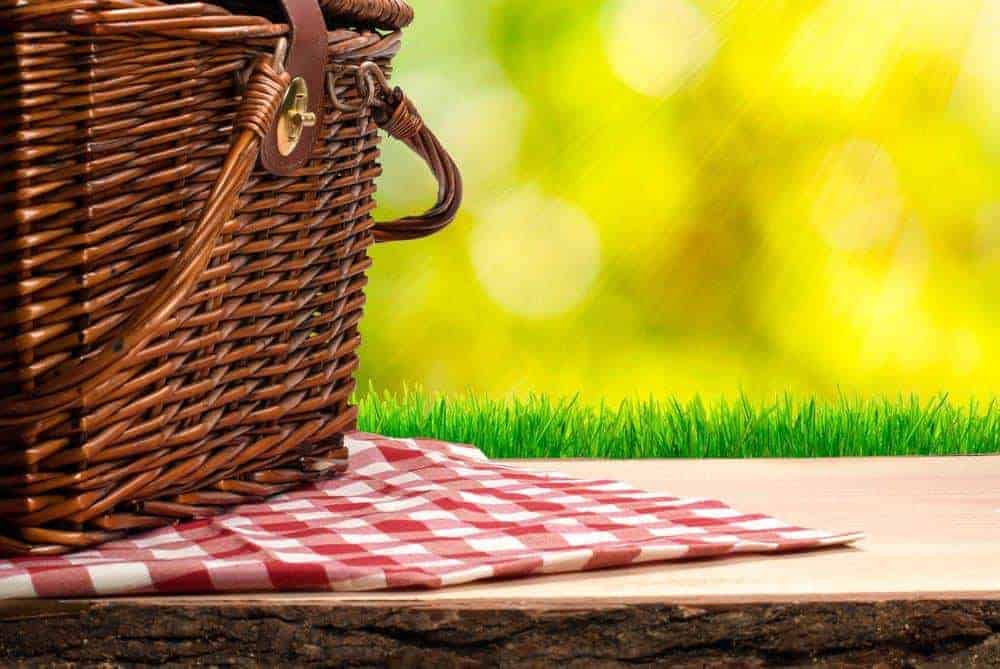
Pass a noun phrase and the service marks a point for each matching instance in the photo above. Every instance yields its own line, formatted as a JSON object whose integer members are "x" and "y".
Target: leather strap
{"x": 307, "y": 55}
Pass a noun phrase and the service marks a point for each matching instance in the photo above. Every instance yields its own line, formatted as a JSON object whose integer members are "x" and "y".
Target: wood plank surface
{"x": 932, "y": 525}
{"x": 922, "y": 590}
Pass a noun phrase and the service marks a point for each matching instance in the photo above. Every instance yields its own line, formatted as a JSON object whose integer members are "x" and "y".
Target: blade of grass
{"x": 539, "y": 426}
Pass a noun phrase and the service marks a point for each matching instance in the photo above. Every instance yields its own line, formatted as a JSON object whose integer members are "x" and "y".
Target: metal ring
{"x": 370, "y": 79}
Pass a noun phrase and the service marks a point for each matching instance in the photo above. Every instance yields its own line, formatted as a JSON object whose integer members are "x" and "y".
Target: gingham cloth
{"x": 412, "y": 514}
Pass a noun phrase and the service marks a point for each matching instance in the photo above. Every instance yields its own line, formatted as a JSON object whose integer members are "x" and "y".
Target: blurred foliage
{"x": 699, "y": 196}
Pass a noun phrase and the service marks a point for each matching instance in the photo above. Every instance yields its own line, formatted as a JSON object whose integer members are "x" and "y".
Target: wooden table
{"x": 923, "y": 588}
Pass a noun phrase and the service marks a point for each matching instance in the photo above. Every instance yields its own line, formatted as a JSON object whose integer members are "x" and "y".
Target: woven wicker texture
{"x": 389, "y": 14}
{"x": 179, "y": 326}
{"x": 382, "y": 14}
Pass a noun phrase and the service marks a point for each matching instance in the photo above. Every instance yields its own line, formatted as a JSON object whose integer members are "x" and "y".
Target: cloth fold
{"x": 412, "y": 514}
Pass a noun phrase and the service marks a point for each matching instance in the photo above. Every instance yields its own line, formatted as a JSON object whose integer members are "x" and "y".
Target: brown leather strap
{"x": 306, "y": 59}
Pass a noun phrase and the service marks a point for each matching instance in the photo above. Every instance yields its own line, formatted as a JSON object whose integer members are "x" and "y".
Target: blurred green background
{"x": 679, "y": 197}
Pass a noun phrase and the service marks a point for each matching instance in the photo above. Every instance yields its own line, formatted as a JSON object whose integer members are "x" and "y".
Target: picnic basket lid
{"x": 385, "y": 14}
{"x": 381, "y": 14}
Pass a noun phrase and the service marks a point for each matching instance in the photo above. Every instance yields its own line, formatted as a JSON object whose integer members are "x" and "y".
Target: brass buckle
{"x": 294, "y": 116}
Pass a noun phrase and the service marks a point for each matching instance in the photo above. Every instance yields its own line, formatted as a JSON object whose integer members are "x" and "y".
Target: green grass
{"x": 540, "y": 427}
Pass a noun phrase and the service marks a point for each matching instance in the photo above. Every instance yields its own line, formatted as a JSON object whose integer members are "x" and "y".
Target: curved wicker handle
{"x": 68, "y": 384}
{"x": 398, "y": 117}
{"x": 396, "y": 114}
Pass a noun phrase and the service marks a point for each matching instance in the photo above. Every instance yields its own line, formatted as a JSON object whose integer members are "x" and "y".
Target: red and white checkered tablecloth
{"x": 412, "y": 514}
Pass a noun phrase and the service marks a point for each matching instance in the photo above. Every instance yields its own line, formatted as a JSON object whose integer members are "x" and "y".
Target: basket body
{"x": 111, "y": 145}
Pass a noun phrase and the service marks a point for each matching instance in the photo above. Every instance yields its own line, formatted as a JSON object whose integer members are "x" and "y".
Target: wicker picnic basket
{"x": 186, "y": 220}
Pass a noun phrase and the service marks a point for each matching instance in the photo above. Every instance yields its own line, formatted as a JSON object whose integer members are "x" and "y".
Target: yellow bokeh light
{"x": 535, "y": 256}
{"x": 732, "y": 195}
{"x": 656, "y": 46}
{"x": 479, "y": 128}
{"x": 977, "y": 91}
{"x": 844, "y": 47}
{"x": 858, "y": 204}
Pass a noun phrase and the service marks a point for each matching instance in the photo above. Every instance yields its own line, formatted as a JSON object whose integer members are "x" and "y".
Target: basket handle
{"x": 398, "y": 116}
{"x": 264, "y": 93}
{"x": 67, "y": 385}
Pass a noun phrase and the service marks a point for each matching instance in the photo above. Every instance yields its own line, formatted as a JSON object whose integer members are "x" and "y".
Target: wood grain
{"x": 889, "y": 634}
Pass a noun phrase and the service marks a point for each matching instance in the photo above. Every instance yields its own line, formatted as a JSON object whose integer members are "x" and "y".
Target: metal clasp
{"x": 294, "y": 116}
{"x": 371, "y": 81}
